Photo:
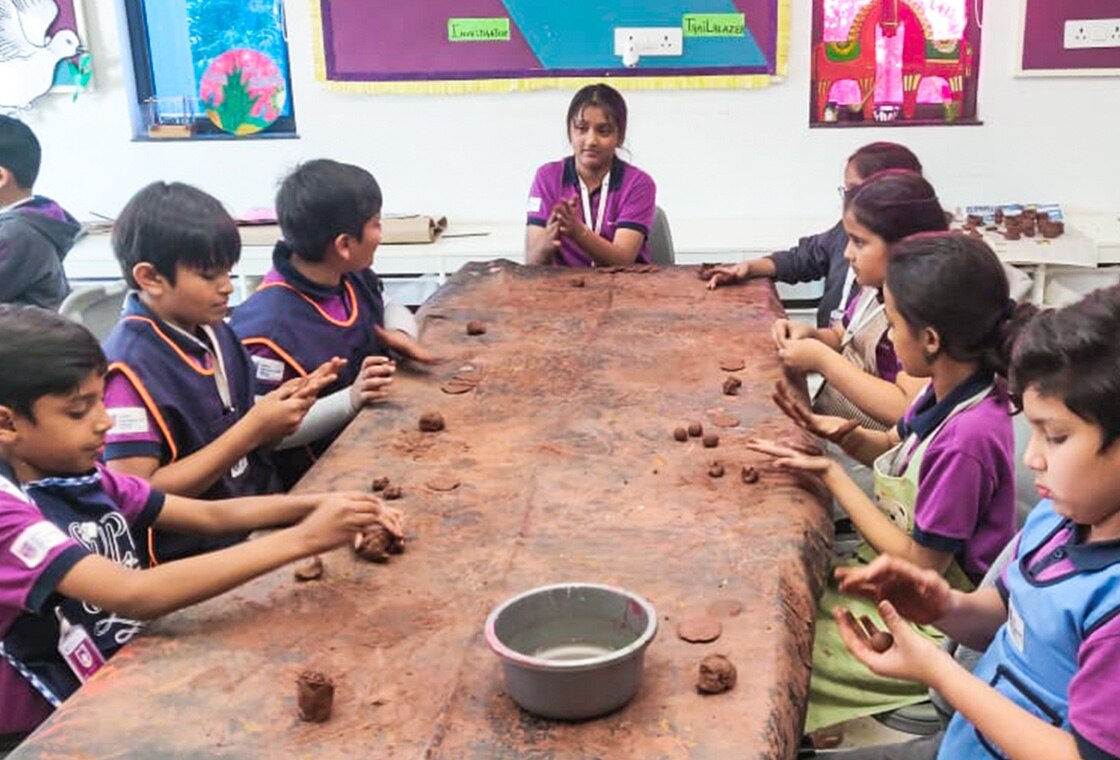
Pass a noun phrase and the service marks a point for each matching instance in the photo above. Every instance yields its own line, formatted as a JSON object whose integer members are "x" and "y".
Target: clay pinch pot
{"x": 572, "y": 651}
{"x": 1050, "y": 229}
{"x": 1013, "y": 233}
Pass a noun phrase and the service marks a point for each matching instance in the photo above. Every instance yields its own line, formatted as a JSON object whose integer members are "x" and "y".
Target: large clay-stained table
{"x": 568, "y": 471}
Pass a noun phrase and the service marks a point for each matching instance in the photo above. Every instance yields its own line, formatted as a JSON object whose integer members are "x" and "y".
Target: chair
{"x": 98, "y": 307}
{"x": 661, "y": 239}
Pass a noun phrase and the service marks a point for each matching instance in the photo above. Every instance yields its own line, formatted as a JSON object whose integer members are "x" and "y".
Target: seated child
{"x": 944, "y": 478}
{"x": 73, "y": 592}
{"x": 180, "y": 386}
{"x": 35, "y": 232}
{"x": 591, "y": 208}
{"x": 821, "y": 256}
{"x": 1047, "y": 687}
{"x": 322, "y": 300}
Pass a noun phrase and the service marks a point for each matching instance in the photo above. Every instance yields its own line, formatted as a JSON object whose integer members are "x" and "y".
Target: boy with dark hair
{"x": 71, "y": 589}
{"x": 321, "y": 299}
{"x": 35, "y": 232}
{"x": 180, "y": 386}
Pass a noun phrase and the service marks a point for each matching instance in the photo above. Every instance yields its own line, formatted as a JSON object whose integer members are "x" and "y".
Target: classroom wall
{"x": 714, "y": 154}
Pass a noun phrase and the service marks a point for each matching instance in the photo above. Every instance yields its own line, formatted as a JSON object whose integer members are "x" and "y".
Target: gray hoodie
{"x": 35, "y": 236}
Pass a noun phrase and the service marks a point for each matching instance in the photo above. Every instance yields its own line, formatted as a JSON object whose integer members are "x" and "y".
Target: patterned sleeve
{"x": 638, "y": 206}
{"x": 35, "y": 554}
{"x": 1094, "y": 692}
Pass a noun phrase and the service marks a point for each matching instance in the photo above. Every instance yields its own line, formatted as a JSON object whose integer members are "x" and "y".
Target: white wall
{"x": 713, "y": 153}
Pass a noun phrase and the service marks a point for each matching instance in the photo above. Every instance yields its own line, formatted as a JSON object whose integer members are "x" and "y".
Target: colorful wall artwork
{"x": 243, "y": 91}
{"x": 42, "y": 47}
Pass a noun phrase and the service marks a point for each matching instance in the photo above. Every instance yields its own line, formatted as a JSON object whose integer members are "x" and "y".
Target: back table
{"x": 568, "y": 470}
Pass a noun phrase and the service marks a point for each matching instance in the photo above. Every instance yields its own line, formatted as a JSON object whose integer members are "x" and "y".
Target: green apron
{"x": 842, "y": 688}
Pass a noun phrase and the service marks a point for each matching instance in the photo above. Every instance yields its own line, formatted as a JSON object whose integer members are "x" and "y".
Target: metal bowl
{"x": 572, "y": 651}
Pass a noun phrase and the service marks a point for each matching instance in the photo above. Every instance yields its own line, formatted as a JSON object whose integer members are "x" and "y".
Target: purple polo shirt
{"x": 35, "y": 554}
{"x": 631, "y": 199}
{"x": 887, "y": 365}
{"x": 966, "y": 481}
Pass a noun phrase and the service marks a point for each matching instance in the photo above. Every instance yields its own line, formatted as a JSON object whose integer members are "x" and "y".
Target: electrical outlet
{"x": 648, "y": 40}
{"x": 1092, "y": 33}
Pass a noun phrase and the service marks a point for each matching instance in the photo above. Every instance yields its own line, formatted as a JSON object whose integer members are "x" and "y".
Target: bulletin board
{"x": 447, "y": 46}
{"x": 1042, "y": 50}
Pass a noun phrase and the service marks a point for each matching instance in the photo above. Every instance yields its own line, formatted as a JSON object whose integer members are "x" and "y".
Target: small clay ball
{"x": 309, "y": 571}
{"x": 680, "y": 434}
{"x": 378, "y": 484}
{"x": 881, "y": 641}
{"x": 431, "y": 422}
{"x": 695, "y": 429}
{"x": 475, "y": 327}
{"x": 717, "y": 675}
{"x": 376, "y": 543}
{"x": 715, "y": 470}
{"x": 392, "y": 493}
{"x": 711, "y": 440}
{"x": 578, "y": 282}
{"x": 731, "y": 386}
{"x": 749, "y": 475}
{"x": 699, "y": 630}
{"x": 314, "y": 696}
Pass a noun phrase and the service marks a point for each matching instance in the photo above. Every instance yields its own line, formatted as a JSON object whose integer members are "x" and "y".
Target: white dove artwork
{"x": 27, "y": 56}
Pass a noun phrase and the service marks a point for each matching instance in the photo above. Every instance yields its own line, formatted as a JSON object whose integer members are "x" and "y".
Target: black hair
{"x": 20, "y": 152}
{"x": 879, "y": 156}
{"x": 955, "y": 284}
{"x": 42, "y": 354}
{"x": 895, "y": 204}
{"x": 170, "y": 223}
{"x": 323, "y": 199}
{"x": 601, "y": 96}
{"x": 1073, "y": 354}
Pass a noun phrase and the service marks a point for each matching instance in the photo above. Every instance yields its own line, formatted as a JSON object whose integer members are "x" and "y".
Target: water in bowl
{"x": 566, "y": 652}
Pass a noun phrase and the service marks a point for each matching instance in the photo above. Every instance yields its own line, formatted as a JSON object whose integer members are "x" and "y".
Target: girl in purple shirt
{"x": 592, "y": 208}
{"x": 944, "y": 477}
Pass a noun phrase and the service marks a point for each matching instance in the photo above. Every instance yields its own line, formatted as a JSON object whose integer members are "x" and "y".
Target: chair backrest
{"x": 98, "y": 307}
{"x": 661, "y": 239}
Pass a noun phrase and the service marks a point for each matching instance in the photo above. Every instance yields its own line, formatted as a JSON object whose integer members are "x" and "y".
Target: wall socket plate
{"x": 647, "y": 41}
{"x": 1092, "y": 33}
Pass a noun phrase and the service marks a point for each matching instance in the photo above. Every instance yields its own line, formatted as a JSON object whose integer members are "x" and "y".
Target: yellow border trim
{"x": 473, "y": 86}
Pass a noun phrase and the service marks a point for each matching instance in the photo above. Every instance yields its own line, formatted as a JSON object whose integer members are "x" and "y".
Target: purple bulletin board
{"x": 1042, "y": 48}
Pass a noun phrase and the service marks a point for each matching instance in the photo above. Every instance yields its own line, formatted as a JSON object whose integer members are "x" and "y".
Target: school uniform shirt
{"x": 1058, "y": 654}
{"x": 816, "y": 257}
{"x": 631, "y": 199}
{"x": 966, "y": 494}
{"x": 291, "y": 325}
{"x": 162, "y": 390}
{"x": 46, "y": 528}
{"x": 887, "y": 365}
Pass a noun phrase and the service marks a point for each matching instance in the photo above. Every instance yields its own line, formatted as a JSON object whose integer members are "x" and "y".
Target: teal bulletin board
{"x": 443, "y": 46}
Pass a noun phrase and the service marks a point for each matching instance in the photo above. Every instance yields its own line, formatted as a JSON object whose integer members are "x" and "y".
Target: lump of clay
{"x": 476, "y": 327}
{"x": 731, "y": 386}
{"x": 749, "y": 475}
{"x": 392, "y": 493}
{"x": 715, "y": 470}
{"x": 314, "y": 696}
{"x": 699, "y": 630}
{"x": 377, "y": 543}
{"x": 311, "y": 570}
{"x": 731, "y": 364}
{"x": 443, "y": 482}
{"x": 695, "y": 429}
{"x": 680, "y": 434}
{"x": 717, "y": 675}
{"x": 881, "y": 641}
{"x": 431, "y": 422}
{"x": 578, "y": 282}
{"x": 711, "y": 440}
{"x": 378, "y": 484}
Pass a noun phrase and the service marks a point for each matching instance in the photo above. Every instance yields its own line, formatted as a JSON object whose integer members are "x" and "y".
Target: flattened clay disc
{"x": 443, "y": 483}
{"x": 699, "y": 630}
{"x": 725, "y": 608}
{"x": 455, "y": 387}
{"x": 731, "y": 364}
{"x": 725, "y": 420}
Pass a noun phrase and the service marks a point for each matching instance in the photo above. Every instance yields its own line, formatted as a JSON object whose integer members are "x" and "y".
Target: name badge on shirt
{"x": 128, "y": 419}
{"x": 78, "y": 649}
{"x": 269, "y": 370}
{"x": 1016, "y": 630}
{"x": 534, "y": 204}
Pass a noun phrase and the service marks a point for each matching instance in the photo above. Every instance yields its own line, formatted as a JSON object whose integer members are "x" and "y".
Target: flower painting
{"x": 243, "y": 91}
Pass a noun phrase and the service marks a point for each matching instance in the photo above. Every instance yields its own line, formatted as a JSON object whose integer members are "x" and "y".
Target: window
{"x": 895, "y": 61}
{"x": 173, "y": 44}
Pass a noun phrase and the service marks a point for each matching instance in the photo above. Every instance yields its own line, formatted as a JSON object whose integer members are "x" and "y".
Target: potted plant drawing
{"x": 243, "y": 91}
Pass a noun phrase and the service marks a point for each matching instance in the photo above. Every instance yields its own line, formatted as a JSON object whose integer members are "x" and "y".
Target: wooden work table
{"x": 569, "y": 471}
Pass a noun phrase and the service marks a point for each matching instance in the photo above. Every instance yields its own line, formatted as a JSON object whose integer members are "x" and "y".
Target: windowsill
{"x": 896, "y": 123}
{"x": 218, "y": 137}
